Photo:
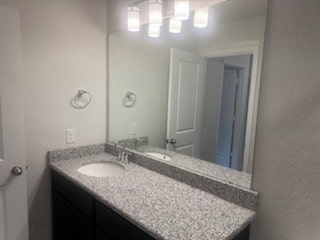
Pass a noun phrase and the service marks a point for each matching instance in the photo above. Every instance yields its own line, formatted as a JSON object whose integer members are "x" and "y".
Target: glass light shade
{"x": 174, "y": 25}
{"x": 154, "y": 30}
{"x": 181, "y": 9}
{"x": 155, "y": 12}
{"x": 201, "y": 17}
{"x": 133, "y": 19}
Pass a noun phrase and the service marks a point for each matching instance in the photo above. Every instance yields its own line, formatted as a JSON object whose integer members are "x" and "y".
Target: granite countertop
{"x": 203, "y": 167}
{"x": 161, "y": 206}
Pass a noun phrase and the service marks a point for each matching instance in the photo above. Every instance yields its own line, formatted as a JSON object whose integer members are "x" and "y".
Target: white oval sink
{"x": 102, "y": 169}
{"x": 159, "y": 155}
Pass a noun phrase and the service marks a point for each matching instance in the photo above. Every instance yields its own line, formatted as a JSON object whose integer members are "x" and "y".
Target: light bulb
{"x": 155, "y": 12}
{"x": 133, "y": 19}
{"x": 201, "y": 17}
{"x": 154, "y": 30}
{"x": 174, "y": 25}
{"x": 181, "y": 9}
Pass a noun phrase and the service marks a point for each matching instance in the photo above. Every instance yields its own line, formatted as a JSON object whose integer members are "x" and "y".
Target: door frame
{"x": 241, "y": 68}
{"x": 253, "y": 49}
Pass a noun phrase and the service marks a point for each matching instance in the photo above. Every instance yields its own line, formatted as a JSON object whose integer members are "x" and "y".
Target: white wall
{"x": 63, "y": 48}
{"x": 286, "y": 166}
{"x": 243, "y": 32}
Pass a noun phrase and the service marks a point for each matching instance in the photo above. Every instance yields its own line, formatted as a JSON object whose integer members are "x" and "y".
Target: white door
{"x": 13, "y": 189}
{"x": 185, "y": 104}
{"x": 227, "y": 117}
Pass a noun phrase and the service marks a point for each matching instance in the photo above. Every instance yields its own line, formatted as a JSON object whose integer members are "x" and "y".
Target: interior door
{"x": 185, "y": 103}
{"x": 13, "y": 189}
{"x": 227, "y": 117}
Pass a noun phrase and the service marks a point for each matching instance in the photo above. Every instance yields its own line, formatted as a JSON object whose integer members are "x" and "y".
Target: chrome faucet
{"x": 123, "y": 155}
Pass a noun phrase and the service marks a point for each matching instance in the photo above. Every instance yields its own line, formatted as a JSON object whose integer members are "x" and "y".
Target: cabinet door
{"x": 68, "y": 222}
{"x": 243, "y": 235}
{"x": 116, "y": 226}
{"x": 101, "y": 235}
{"x": 79, "y": 198}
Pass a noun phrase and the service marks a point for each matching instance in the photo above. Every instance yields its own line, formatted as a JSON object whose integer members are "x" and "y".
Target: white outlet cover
{"x": 71, "y": 135}
{"x": 133, "y": 128}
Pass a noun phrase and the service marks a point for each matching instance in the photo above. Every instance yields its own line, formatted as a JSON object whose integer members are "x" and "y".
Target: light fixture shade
{"x": 154, "y": 30}
{"x": 155, "y": 12}
{"x": 133, "y": 19}
{"x": 174, "y": 25}
{"x": 201, "y": 17}
{"x": 181, "y": 9}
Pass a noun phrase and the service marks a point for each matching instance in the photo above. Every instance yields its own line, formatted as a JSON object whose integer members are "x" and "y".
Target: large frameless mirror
{"x": 187, "y": 93}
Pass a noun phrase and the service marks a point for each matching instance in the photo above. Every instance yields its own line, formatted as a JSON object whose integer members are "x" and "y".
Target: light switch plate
{"x": 71, "y": 135}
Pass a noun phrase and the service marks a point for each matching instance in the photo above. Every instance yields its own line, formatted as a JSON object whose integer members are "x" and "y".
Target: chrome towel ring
{"x": 81, "y": 99}
{"x": 129, "y": 100}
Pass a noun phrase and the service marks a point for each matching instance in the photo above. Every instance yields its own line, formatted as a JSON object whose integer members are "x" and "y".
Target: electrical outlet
{"x": 71, "y": 135}
{"x": 133, "y": 128}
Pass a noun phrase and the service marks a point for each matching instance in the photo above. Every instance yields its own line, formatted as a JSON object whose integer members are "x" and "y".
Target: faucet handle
{"x": 118, "y": 146}
{"x": 126, "y": 156}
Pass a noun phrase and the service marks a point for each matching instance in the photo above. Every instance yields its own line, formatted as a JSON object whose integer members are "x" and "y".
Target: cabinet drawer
{"x": 74, "y": 194}
{"x": 100, "y": 235}
{"x": 115, "y": 225}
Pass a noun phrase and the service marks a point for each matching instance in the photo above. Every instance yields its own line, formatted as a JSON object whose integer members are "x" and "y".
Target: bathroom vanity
{"x": 137, "y": 204}
{"x": 182, "y": 109}
{"x": 78, "y": 215}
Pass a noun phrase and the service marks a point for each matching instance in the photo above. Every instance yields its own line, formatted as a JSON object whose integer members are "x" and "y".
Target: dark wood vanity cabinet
{"x": 79, "y": 216}
{"x": 69, "y": 222}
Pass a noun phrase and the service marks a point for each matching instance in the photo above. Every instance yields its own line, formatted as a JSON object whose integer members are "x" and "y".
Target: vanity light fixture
{"x": 155, "y": 12}
{"x": 181, "y": 9}
{"x": 201, "y": 17}
{"x": 154, "y": 30}
{"x": 174, "y": 25}
{"x": 133, "y": 19}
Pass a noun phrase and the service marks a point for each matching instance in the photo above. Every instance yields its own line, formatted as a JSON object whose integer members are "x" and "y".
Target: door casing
{"x": 255, "y": 49}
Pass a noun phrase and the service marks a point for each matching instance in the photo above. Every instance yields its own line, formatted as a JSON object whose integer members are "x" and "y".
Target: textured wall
{"x": 63, "y": 49}
{"x": 287, "y": 154}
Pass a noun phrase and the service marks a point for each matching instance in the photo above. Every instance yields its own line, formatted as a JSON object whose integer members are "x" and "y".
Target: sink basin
{"x": 158, "y": 155}
{"x": 102, "y": 169}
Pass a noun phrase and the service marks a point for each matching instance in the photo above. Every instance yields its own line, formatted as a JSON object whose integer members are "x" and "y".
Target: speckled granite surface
{"x": 205, "y": 168}
{"x": 226, "y": 190}
{"x": 161, "y": 206}
{"x": 133, "y": 143}
{"x": 76, "y": 152}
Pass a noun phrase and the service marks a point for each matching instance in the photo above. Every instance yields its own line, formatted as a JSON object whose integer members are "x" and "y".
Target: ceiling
{"x": 223, "y": 11}
{"x": 234, "y": 10}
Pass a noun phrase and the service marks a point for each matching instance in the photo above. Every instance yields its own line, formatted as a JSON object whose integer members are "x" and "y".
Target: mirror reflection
{"x": 190, "y": 98}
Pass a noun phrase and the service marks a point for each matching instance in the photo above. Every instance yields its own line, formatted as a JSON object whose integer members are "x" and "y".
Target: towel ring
{"x": 129, "y": 100}
{"x": 77, "y": 101}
